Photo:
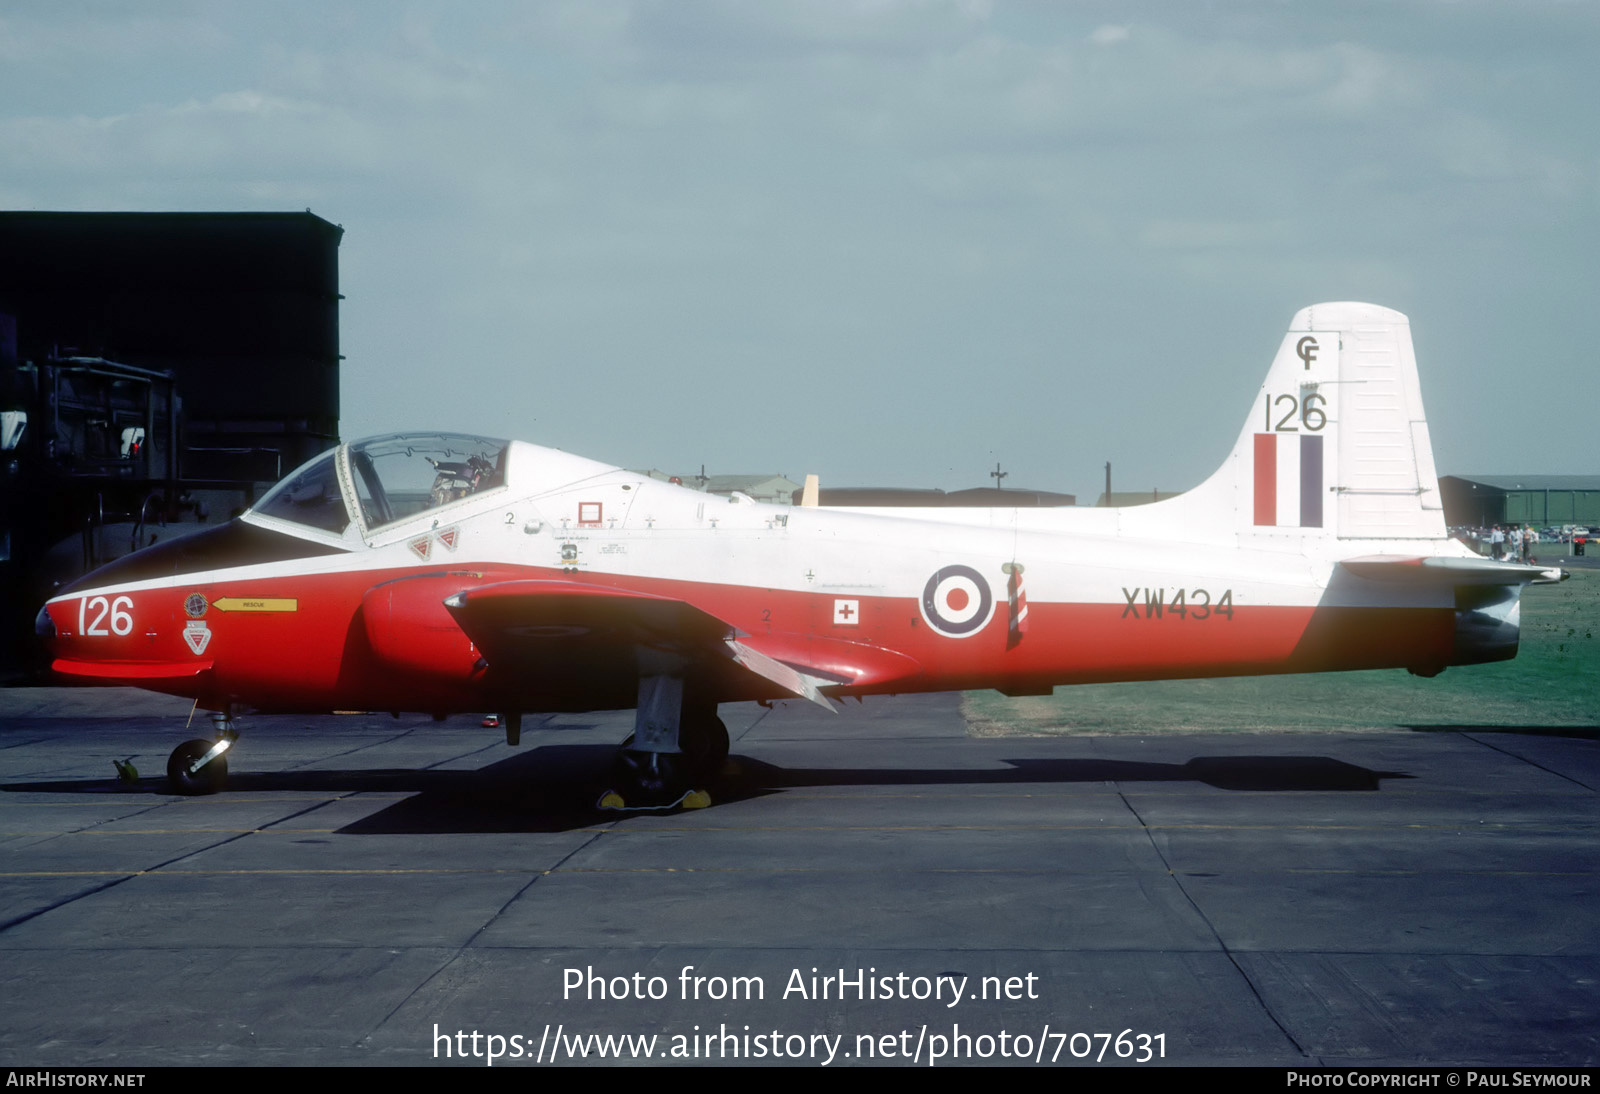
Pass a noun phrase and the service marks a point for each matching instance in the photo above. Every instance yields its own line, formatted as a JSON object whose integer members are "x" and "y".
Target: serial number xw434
{"x": 1186, "y": 604}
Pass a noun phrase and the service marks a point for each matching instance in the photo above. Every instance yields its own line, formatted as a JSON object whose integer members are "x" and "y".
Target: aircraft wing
{"x": 1451, "y": 571}
{"x": 566, "y": 631}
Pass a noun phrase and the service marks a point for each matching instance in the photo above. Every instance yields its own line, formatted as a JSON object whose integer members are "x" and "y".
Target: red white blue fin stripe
{"x": 1288, "y": 484}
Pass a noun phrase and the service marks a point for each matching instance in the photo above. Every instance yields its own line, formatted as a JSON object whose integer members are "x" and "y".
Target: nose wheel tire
{"x": 185, "y": 780}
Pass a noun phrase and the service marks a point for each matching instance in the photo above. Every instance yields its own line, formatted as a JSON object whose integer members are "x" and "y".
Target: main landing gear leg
{"x": 674, "y": 750}
{"x": 201, "y": 766}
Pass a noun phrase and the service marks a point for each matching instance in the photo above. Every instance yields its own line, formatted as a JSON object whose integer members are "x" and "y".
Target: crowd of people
{"x": 1517, "y": 542}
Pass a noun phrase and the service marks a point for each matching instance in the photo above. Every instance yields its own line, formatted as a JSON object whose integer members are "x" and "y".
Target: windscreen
{"x": 310, "y": 496}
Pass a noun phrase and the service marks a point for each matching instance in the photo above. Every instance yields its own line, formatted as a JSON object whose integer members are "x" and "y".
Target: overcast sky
{"x": 888, "y": 241}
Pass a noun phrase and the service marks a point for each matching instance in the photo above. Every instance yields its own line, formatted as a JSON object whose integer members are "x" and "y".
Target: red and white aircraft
{"x": 444, "y": 573}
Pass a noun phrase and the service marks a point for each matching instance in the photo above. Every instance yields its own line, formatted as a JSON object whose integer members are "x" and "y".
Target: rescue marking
{"x": 448, "y": 536}
{"x": 957, "y": 602}
{"x": 420, "y": 546}
{"x": 256, "y": 604}
{"x": 194, "y": 605}
{"x": 1194, "y": 604}
{"x": 846, "y": 613}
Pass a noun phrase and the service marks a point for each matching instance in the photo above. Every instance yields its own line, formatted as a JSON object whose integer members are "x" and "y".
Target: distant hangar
{"x": 1483, "y": 500}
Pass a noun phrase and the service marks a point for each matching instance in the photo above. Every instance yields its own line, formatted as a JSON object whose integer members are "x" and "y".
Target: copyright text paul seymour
{"x": 1465, "y": 1078}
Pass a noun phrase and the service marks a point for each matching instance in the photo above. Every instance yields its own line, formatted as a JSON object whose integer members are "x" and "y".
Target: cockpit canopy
{"x": 386, "y": 480}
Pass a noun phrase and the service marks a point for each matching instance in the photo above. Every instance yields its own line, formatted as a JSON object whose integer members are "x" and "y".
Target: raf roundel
{"x": 957, "y": 602}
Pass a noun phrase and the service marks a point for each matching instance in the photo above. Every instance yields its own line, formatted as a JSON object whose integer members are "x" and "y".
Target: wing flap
{"x": 779, "y": 673}
{"x": 838, "y": 661}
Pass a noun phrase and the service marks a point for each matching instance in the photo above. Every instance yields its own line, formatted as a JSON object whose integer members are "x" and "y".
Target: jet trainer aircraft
{"x": 444, "y": 573}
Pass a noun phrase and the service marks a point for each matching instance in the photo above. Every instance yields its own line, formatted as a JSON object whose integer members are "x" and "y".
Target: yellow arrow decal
{"x": 256, "y": 604}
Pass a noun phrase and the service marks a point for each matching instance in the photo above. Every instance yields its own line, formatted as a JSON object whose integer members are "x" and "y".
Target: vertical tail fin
{"x": 1334, "y": 463}
{"x": 1336, "y": 445}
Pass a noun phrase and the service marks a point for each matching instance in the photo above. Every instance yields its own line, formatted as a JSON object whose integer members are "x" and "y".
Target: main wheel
{"x": 650, "y": 778}
{"x": 208, "y": 780}
{"x": 704, "y": 740}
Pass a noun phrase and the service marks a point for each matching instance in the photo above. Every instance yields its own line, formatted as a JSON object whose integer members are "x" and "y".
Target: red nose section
{"x": 118, "y": 637}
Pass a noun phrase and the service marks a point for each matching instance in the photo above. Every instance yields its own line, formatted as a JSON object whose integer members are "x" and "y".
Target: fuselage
{"x": 278, "y": 613}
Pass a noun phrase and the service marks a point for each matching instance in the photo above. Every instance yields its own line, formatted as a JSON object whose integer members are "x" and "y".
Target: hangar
{"x": 157, "y": 371}
{"x": 1480, "y": 501}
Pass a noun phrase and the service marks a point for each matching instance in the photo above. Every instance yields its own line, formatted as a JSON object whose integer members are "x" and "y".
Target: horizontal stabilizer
{"x": 1451, "y": 571}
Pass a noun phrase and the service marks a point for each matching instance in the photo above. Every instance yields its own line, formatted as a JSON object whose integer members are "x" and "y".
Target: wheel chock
{"x": 689, "y": 799}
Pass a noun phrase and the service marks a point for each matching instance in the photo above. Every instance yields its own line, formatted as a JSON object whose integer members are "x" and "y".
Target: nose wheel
{"x": 201, "y": 766}
{"x": 192, "y": 769}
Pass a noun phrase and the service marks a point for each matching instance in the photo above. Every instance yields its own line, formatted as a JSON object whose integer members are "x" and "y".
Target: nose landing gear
{"x": 201, "y": 766}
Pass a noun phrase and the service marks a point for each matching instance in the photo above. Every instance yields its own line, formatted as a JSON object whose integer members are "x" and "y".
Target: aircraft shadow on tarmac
{"x": 1586, "y": 733}
{"x": 554, "y": 788}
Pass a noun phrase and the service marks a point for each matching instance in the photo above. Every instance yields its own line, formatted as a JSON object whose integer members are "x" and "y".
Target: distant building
{"x": 770, "y": 488}
{"x": 1482, "y": 500}
{"x": 780, "y": 490}
{"x": 979, "y": 497}
{"x": 773, "y": 488}
{"x": 1121, "y": 499}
